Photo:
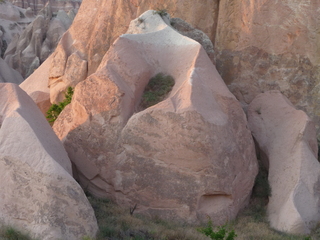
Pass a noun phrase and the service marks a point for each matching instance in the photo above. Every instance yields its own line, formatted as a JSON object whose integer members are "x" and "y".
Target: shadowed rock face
{"x": 36, "y": 6}
{"x": 33, "y": 46}
{"x": 288, "y": 138}
{"x": 270, "y": 45}
{"x": 38, "y": 194}
{"x": 187, "y": 157}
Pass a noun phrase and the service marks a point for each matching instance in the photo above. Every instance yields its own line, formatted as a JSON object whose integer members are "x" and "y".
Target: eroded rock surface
{"x": 187, "y": 157}
{"x": 38, "y": 193}
{"x": 271, "y": 45}
{"x": 288, "y": 138}
{"x": 7, "y": 74}
{"x": 33, "y": 46}
{"x": 89, "y": 43}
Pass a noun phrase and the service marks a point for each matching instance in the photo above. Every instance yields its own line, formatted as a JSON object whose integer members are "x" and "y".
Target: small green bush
{"x": 220, "y": 234}
{"x": 9, "y": 233}
{"x": 56, "y": 109}
{"x": 157, "y": 89}
{"x": 161, "y": 12}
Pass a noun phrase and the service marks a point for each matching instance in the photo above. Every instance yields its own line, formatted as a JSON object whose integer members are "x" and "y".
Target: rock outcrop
{"x": 12, "y": 22}
{"x": 38, "y": 5}
{"x": 38, "y": 89}
{"x": 288, "y": 138}
{"x": 187, "y": 157}
{"x": 271, "y": 45}
{"x": 7, "y": 74}
{"x": 89, "y": 44}
{"x": 38, "y": 193}
{"x": 37, "y": 41}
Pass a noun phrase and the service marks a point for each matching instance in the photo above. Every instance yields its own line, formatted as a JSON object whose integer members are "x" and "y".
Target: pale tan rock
{"x": 270, "y": 45}
{"x": 187, "y": 157}
{"x": 37, "y": 88}
{"x": 38, "y": 193}
{"x": 86, "y": 38}
{"x": 288, "y": 138}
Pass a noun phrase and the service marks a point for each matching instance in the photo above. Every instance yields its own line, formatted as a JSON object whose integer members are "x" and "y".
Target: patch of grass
{"x": 10, "y": 233}
{"x": 222, "y": 233}
{"x": 116, "y": 222}
{"x": 157, "y": 90}
{"x": 56, "y": 109}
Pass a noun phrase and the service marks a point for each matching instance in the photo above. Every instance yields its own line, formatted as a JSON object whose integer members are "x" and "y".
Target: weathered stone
{"x": 37, "y": 88}
{"x": 271, "y": 45}
{"x": 8, "y": 74}
{"x": 38, "y": 193}
{"x": 37, "y": 41}
{"x": 187, "y": 157}
{"x": 288, "y": 138}
{"x": 86, "y": 38}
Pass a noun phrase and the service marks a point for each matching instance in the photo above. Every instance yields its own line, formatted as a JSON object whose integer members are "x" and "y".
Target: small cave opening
{"x": 157, "y": 90}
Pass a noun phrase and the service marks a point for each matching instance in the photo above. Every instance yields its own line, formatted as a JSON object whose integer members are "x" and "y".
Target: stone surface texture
{"x": 38, "y": 193}
{"x": 271, "y": 45}
{"x": 7, "y": 74}
{"x": 187, "y": 157}
{"x": 90, "y": 44}
{"x": 12, "y": 21}
{"x": 37, "y": 41}
{"x": 37, "y": 5}
{"x": 38, "y": 89}
{"x": 287, "y": 137}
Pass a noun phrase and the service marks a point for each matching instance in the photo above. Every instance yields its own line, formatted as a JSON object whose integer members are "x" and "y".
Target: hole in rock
{"x": 211, "y": 203}
{"x": 158, "y": 88}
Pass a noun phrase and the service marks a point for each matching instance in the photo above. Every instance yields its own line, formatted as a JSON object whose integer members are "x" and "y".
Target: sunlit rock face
{"x": 271, "y": 45}
{"x": 189, "y": 156}
{"x": 287, "y": 137}
{"x": 88, "y": 41}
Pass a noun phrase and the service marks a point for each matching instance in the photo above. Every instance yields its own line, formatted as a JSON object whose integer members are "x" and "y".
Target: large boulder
{"x": 38, "y": 193}
{"x": 189, "y": 156}
{"x": 287, "y": 137}
{"x": 271, "y": 45}
{"x": 89, "y": 43}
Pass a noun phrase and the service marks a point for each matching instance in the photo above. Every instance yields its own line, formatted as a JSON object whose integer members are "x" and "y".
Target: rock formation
{"x": 38, "y": 89}
{"x": 288, "y": 138}
{"x": 37, "y": 6}
{"x": 12, "y": 21}
{"x": 38, "y": 193}
{"x": 7, "y": 74}
{"x": 271, "y": 45}
{"x": 89, "y": 43}
{"x": 37, "y": 41}
{"x": 187, "y": 157}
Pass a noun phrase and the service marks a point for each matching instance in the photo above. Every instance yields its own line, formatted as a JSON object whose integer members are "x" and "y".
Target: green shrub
{"x": 9, "y": 233}
{"x": 161, "y": 12}
{"x": 56, "y": 109}
{"x": 220, "y": 234}
{"x": 157, "y": 90}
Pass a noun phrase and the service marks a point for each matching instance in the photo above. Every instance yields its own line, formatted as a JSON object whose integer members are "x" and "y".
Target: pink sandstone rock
{"x": 288, "y": 138}
{"x": 7, "y": 74}
{"x": 187, "y": 157}
{"x": 38, "y": 89}
{"x": 270, "y": 45}
{"x": 86, "y": 39}
{"x": 38, "y": 193}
